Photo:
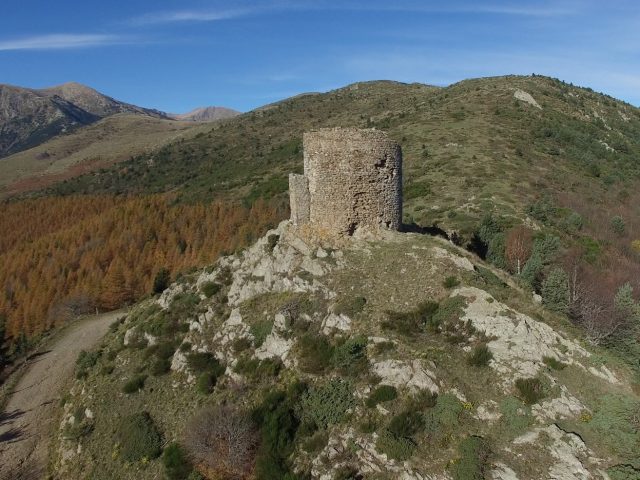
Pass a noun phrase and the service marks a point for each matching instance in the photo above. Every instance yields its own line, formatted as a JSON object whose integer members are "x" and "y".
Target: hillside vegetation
{"x": 397, "y": 357}
{"x": 535, "y": 175}
{"x": 102, "y": 144}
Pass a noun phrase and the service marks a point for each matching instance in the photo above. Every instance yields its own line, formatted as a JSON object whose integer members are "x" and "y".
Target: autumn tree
{"x": 115, "y": 290}
{"x": 518, "y": 245}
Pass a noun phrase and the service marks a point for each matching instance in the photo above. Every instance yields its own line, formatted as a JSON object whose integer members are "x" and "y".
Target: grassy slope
{"x": 110, "y": 140}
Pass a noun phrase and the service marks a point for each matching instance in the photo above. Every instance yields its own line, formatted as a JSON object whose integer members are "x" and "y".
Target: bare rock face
{"x": 352, "y": 180}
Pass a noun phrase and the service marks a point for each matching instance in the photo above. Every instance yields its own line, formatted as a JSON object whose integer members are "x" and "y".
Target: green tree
{"x": 555, "y": 291}
{"x": 162, "y": 280}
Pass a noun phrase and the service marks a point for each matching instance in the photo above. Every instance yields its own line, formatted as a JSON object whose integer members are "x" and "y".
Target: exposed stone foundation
{"x": 352, "y": 180}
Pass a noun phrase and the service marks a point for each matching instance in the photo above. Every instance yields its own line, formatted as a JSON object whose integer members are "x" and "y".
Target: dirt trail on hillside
{"x": 27, "y": 421}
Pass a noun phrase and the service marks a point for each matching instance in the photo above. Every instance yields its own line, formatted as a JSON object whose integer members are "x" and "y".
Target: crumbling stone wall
{"x": 353, "y": 180}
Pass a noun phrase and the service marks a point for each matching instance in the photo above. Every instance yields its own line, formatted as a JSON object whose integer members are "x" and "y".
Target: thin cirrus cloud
{"x": 183, "y": 16}
{"x": 211, "y": 15}
{"x": 63, "y": 41}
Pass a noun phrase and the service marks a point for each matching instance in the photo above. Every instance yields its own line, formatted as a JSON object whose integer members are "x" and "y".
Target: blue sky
{"x": 176, "y": 55}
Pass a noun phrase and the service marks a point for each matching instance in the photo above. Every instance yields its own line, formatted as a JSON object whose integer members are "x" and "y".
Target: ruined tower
{"x": 352, "y": 179}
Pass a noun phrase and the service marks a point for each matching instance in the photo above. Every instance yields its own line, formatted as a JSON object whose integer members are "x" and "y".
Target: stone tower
{"x": 352, "y": 179}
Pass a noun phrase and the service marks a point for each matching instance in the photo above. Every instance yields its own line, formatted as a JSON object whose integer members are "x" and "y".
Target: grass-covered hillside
{"x": 396, "y": 357}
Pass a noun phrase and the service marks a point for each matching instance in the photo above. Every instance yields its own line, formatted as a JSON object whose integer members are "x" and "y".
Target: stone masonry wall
{"x": 299, "y": 198}
{"x": 354, "y": 181}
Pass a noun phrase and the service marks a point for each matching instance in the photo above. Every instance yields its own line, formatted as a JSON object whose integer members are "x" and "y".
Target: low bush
{"x": 473, "y": 463}
{"x": 531, "y": 390}
{"x": 200, "y": 362}
{"x": 396, "y": 448}
{"x": 209, "y": 289}
{"x": 349, "y": 306}
{"x": 85, "y": 362}
{"x": 350, "y": 356}
{"x": 555, "y": 291}
{"x": 422, "y": 400}
{"x": 553, "y": 363}
{"x": 406, "y": 424}
{"x": 206, "y": 382}
{"x": 451, "y": 282}
{"x": 316, "y": 442}
{"x": 480, "y": 356}
{"x": 176, "y": 462}
{"x": 260, "y": 331}
{"x": 412, "y": 322}
{"x": 326, "y": 404}
{"x": 256, "y": 369}
{"x": 383, "y": 393}
{"x": 160, "y": 367}
{"x": 135, "y": 384}
{"x": 222, "y": 441}
{"x": 139, "y": 438}
{"x": 315, "y": 353}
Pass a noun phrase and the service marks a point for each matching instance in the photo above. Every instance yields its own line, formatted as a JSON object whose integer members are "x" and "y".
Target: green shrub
{"x": 480, "y": 356}
{"x": 161, "y": 281}
{"x": 383, "y": 393}
{"x": 553, "y": 363}
{"x": 240, "y": 344}
{"x": 315, "y": 353}
{"x": 327, "y": 404}
{"x": 256, "y": 369}
{"x": 260, "y": 331}
{"x": 445, "y": 416}
{"x": 349, "y": 306}
{"x": 135, "y": 384}
{"x": 422, "y": 400}
{"x": 272, "y": 241}
{"x": 618, "y": 225}
{"x": 623, "y": 472}
{"x": 406, "y": 424}
{"x": 350, "y": 356}
{"x": 531, "y": 390}
{"x": 176, "y": 463}
{"x": 278, "y": 425}
{"x": 206, "y": 382}
{"x": 138, "y": 437}
{"x": 516, "y": 418}
{"x": 209, "y": 289}
{"x": 616, "y": 420}
{"x": 347, "y": 472}
{"x": 412, "y": 322}
{"x": 200, "y": 362}
{"x": 85, "y": 362}
{"x": 399, "y": 449}
{"x": 316, "y": 442}
{"x": 451, "y": 282}
{"x": 473, "y": 463}
{"x": 555, "y": 291}
{"x": 160, "y": 367}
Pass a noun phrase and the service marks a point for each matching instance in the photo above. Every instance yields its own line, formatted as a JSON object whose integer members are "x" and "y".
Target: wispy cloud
{"x": 63, "y": 41}
{"x": 211, "y": 15}
{"x": 183, "y": 16}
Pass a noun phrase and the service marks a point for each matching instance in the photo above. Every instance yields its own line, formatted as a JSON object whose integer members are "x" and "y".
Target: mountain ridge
{"x": 30, "y": 116}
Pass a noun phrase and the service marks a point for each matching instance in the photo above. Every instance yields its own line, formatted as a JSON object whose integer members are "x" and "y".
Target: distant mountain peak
{"x": 206, "y": 114}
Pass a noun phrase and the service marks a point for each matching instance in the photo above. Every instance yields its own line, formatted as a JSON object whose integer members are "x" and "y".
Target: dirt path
{"x": 26, "y": 422}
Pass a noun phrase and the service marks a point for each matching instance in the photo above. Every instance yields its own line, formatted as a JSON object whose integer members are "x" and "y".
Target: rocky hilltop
{"x": 390, "y": 356}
